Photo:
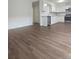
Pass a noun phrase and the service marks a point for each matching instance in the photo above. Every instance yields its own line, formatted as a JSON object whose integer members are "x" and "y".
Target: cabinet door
{"x": 44, "y": 21}
{"x": 53, "y": 20}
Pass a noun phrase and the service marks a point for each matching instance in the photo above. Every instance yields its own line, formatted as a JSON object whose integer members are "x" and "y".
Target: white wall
{"x": 36, "y": 12}
{"x": 19, "y": 13}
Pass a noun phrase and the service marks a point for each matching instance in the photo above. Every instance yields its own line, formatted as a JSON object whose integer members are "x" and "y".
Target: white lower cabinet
{"x": 43, "y": 21}
{"x": 47, "y": 20}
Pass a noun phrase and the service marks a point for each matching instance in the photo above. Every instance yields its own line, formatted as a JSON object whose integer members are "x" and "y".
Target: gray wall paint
{"x": 36, "y": 12}
{"x": 19, "y": 13}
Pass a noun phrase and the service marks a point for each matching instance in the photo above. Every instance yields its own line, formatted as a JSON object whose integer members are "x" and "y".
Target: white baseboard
{"x": 19, "y": 22}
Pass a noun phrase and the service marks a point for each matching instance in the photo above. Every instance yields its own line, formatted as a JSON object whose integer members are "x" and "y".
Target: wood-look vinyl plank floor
{"x": 35, "y": 42}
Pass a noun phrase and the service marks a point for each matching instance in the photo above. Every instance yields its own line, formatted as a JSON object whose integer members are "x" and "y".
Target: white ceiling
{"x": 66, "y": 2}
{"x": 55, "y": 1}
{"x": 58, "y": 0}
{"x": 34, "y": 0}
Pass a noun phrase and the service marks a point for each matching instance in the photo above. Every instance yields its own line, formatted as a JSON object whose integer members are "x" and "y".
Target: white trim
{"x": 19, "y": 22}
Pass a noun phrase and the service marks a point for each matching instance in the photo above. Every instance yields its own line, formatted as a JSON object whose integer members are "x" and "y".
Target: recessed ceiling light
{"x": 60, "y": 1}
{"x": 45, "y": 4}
